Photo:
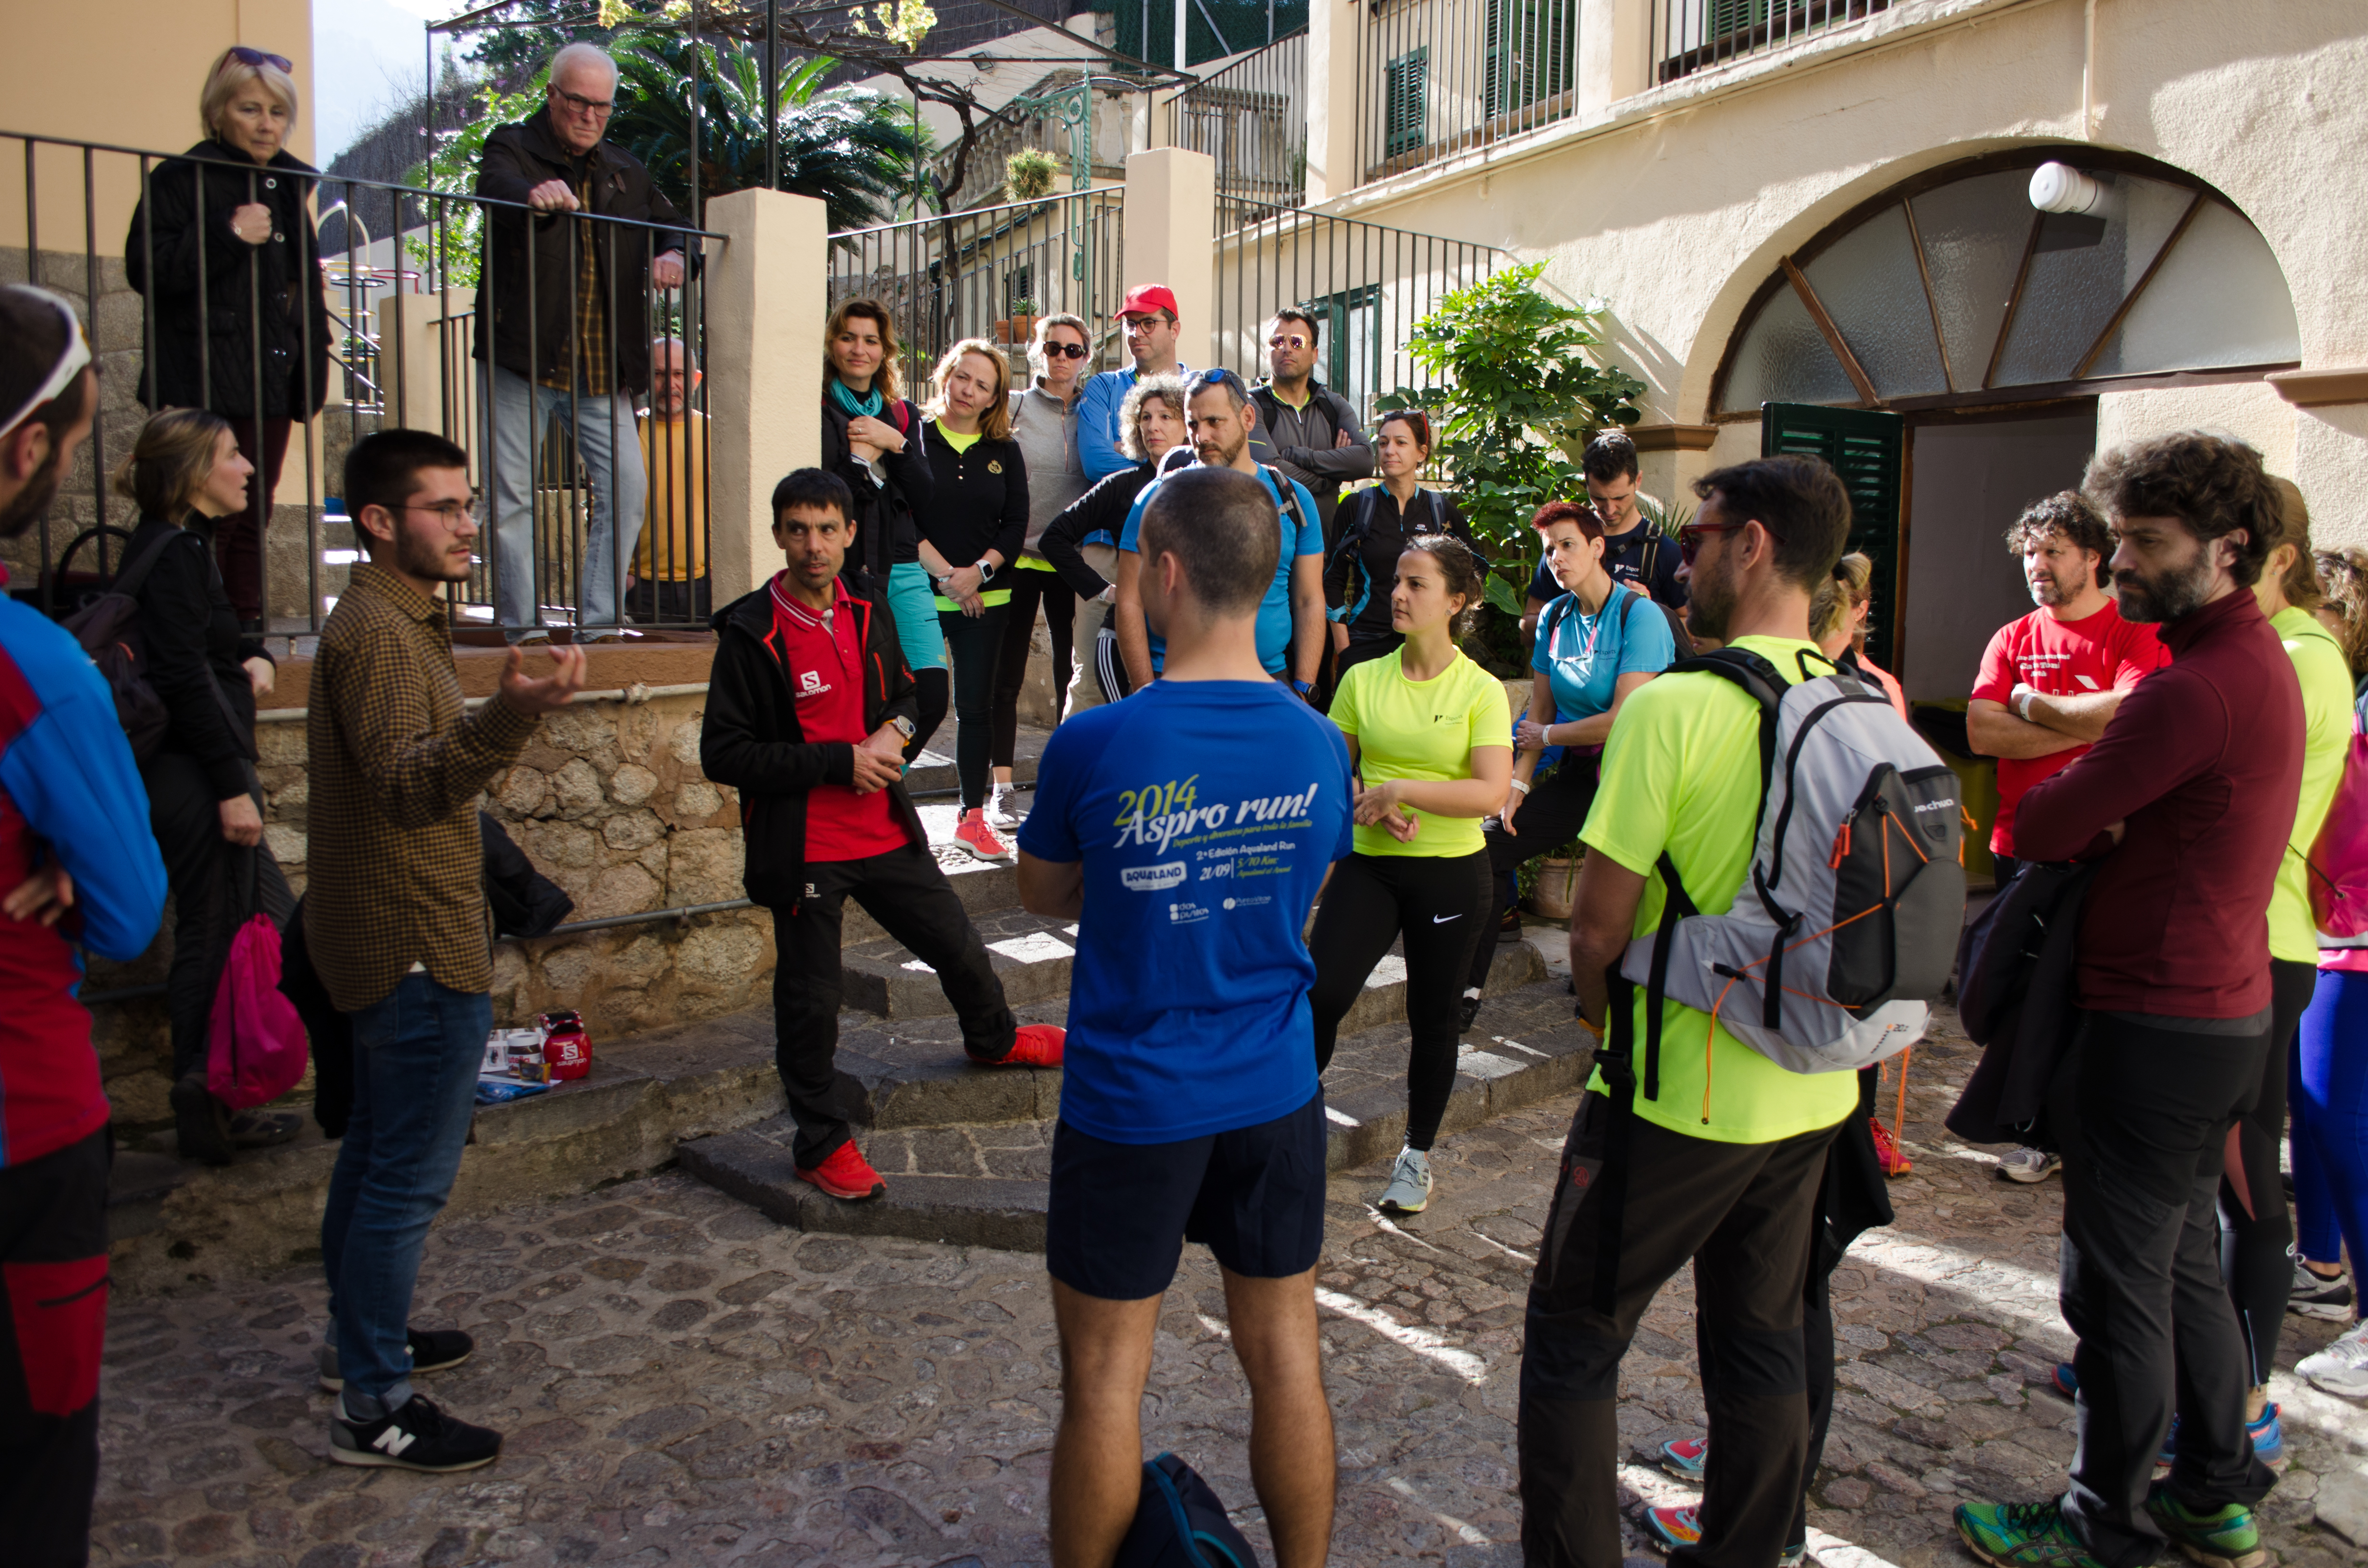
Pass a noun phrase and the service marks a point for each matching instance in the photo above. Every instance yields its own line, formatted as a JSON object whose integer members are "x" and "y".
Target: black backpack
{"x": 110, "y": 632}
{"x": 1180, "y": 1523}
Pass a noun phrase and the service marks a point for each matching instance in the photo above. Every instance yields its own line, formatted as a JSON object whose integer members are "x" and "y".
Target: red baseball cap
{"x": 1145, "y": 298}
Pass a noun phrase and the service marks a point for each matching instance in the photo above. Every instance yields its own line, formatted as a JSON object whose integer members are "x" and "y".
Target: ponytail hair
{"x": 1461, "y": 573}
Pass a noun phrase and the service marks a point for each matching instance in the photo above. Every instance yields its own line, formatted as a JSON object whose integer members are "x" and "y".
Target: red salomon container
{"x": 565, "y": 1046}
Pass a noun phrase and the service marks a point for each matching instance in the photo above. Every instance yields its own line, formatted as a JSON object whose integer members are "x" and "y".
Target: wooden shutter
{"x": 1401, "y": 108}
{"x": 1866, "y": 449}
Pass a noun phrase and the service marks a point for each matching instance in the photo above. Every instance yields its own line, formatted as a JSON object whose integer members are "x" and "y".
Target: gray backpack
{"x": 1849, "y": 925}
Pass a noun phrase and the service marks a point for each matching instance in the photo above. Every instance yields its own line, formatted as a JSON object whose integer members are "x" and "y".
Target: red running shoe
{"x": 972, "y": 832}
{"x": 1886, "y": 1150}
{"x": 1036, "y": 1045}
{"x": 845, "y": 1172}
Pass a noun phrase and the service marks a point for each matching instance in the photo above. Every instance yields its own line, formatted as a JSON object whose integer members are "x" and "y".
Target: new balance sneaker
{"x": 1409, "y": 1188}
{"x": 1003, "y": 807}
{"x": 431, "y": 1350}
{"x": 2343, "y": 1366}
{"x": 1886, "y": 1150}
{"x": 2021, "y": 1535}
{"x": 2316, "y": 1296}
{"x": 2028, "y": 1165}
{"x": 1674, "y": 1527}
{"x": 2268, "y": 1440}
{"x": 845, "y": 1172}
{"x": 417, "y": 1437}
{"x": 2223, "y": 1538}
{"x": 1036, "y": 1045}
{"x": 973, "y": 834}
{"x": 1687, "y": 1457}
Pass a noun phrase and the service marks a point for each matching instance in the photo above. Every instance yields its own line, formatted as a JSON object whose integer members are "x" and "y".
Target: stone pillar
{"x": 766, "y": 302}
{"x": 1615, "y": 52}
{"x": 1172, "y": 205}
{"x": 1334, "y": 32}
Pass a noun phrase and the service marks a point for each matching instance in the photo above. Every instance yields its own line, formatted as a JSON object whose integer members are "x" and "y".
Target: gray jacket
{"x": 1303, "y": 443}
{"x": 1047, "y": 433}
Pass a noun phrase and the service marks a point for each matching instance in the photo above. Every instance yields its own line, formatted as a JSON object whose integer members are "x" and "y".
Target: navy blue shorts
{"x": 1121, "y": 1213}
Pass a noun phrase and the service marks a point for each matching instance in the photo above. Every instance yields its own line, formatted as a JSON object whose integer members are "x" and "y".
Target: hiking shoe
{"x": 1674, "y": 1527}
{"x": 2223, "y": 1538}
{"x": 2028, "y": 1165}
{"x": 431, "y": 1350}
{"x": 1409, "y": 1188}
{"x": 2343, "y": 1366}
{"x": 2268, "y": 1440}
{"x": 262, "y": 1128}
{"x": 2065, "y": 1382}
{"x": 1687, "y": 1457}
{"x": 845, "y": 1172}
{"x": 1468, "y": 1012}
{"x": 200, "y": 1121}
{"x": 2316, "y": 1296}
{"x": 1886, "y": 1150}
{"x": 2021, "y": 1535}
{"x": 417, "y": 1437}
{"x": 1003, "y": 807}
{"x": 973, "y": 834}
{"x": 1036, "y": 1045}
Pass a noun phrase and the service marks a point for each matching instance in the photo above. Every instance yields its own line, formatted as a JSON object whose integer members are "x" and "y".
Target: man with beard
{"x": 2187, "y": 801}
{"x": 2051, "y": 681}
{"x": 396, "y": 921}
{"x": 77, "y": 865}
{"x": 1727, "y": 1151}
{"x": 1219, "y": 418}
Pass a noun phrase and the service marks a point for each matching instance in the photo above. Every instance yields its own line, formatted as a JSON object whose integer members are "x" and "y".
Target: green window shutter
{"x": 1527, "y": 54}
{"x": 1866, "y": 450}
{"x": 1402, "y": 105}
{"x": 1724, "y": 18}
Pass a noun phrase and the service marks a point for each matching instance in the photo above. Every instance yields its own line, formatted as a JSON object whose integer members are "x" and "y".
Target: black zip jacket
{"x": 1101, "y": 509}
{"x": 980, "y": 502}
{"x": 193, "y": 638}
{"x": 885, "y": 530}
{"x": 1362, "y": 566}
{"x": 751, "y": 739}
{"x": 281, "y": 276}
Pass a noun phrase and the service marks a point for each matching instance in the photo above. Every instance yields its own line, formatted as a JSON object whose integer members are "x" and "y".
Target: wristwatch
{"x": 1302, "y": 686}
{"x": 985, "y": 571}
{"x": 904, "y": 726}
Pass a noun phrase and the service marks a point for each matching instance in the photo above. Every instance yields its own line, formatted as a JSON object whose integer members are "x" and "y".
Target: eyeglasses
{"x": 247, "y": 56}
{"x": 449, "y": 513}
{"x": 1140, "y": 323}
{"x": 1291, "y": 342}
{"x": 1691, "y": 537}
{"x": 599, "y": 108}
{"x": 1064, "y": 350}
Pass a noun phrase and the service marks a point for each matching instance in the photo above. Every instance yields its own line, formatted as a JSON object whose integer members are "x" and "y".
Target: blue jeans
{"x": 416, "y": 1058}
{"x": 603, "y": 428}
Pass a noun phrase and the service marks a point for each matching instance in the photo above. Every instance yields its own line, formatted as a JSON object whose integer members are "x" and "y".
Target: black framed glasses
{"x": 247, "y": 56}
{"x": 599, "y": 108}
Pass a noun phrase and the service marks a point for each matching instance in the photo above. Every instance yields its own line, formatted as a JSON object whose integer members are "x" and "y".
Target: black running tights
{"x": 1440, "y": 905}
{"x": 2255, "y": 1234}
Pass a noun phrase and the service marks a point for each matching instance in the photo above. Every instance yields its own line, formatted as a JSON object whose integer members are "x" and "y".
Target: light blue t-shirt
{"x": 1274, "y": 610}
{"x": 1628, "y": 636}
{"x": 1206, "y": 813}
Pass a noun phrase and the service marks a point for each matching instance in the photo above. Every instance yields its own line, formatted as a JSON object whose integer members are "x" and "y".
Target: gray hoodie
{"x": 1047, "y": 434}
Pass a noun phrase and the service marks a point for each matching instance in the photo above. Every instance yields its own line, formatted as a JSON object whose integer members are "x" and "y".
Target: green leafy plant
{"x": 1513, "y": 380}
{"x": 1028, "y": 173}
{"x": 454, "y": 249}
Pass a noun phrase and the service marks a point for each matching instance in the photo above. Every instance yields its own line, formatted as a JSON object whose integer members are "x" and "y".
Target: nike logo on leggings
{"x": 1443, "y": 919}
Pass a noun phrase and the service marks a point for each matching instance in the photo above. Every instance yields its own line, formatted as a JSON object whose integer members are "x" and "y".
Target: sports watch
{"x": 904, "y": 726}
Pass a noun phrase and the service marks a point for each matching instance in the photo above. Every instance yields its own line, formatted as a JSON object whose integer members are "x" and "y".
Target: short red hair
{"x": 1553, "y": 512}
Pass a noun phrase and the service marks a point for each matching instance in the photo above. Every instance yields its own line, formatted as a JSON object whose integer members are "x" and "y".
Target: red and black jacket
{"x": 751, "y": 740}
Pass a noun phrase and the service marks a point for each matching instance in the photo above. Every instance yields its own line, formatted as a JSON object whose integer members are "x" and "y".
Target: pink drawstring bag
{"x": 2338, "y": 857}
{"x": 256, "y": 1046}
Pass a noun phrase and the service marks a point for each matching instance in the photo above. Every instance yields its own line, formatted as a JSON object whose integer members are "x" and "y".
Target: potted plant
{"x": 1018, "y": 327}
{"x": 1549, "y": 884}
{"x": 1028, "y": 173}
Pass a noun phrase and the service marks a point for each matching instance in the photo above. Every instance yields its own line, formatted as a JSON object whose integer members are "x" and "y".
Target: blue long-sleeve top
{"x": 1098, "y": 422}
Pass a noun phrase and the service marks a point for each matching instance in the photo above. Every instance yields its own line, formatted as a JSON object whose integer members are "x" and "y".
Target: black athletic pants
{"x": 908, "y": 894}
{"x": 1029, "y": 586}
{"x": 1440, "y": 905}
{"x": 2142, "y": 1109}
{"x": 209, "y": 876}
{"x": 1744, "y": 1214}
{"x": 53, "y": 1330}
{"x": 974, "y": 643}
{"x": 2257, "y": 1251}
{"x": 1549, "y": 817}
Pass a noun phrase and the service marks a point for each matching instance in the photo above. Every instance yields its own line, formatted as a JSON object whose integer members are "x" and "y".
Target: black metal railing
{"x": 1251, "y": 117}
{"x": 1367, "y": 283}
{"x": 1439, "y": 77}
{"x": 988, "y": 273}
{"x": 1695, "y": 35}
{"x": 180, "y": 300}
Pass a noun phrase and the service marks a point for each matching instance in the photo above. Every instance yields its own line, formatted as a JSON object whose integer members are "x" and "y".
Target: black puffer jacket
{"x": 204, "y": 351}
{"x": 537, "y": 343}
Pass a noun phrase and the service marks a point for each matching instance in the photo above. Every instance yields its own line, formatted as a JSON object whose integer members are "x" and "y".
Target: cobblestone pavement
{"x": 684, "y": 1382}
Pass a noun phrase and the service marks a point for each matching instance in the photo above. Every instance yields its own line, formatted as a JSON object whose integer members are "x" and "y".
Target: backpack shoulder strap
{"x": 903, "y": 414}
{"x": 134, "y": 575}
{"x": 1289, "y": 491}
{"x": 1758, "y": 681}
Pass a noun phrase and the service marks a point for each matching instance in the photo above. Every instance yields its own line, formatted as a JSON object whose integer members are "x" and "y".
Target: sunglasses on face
{"x": 1064, "y": 350}
{"x": 247, "y": 56}
{"x": 1691, "y": 537}
{"x": 1286, "y": 343}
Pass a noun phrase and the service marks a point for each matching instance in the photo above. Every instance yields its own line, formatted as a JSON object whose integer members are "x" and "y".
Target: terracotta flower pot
{"x": 1557, "y": 884}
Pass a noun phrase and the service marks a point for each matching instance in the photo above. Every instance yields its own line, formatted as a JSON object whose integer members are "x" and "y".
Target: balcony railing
{"x": 1695, "y": 35}
{"x": 1439, "y": 77}
{"x": 1251, "y": 117}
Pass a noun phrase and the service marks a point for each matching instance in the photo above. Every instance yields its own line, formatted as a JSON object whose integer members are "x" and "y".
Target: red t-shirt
{"x": 825, "y": 661}
{"x": 2059, "y": 658}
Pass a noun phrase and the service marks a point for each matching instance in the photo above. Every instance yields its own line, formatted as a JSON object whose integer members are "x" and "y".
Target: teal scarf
{"x": 869, "y": 404}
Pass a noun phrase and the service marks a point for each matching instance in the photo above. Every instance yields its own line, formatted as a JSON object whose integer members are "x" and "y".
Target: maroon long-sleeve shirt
{"x": 2203, "y": 762}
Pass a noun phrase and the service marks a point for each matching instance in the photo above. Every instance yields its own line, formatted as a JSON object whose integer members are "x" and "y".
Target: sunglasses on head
{"x": 1691, "y": 537}
{"x": 247, "y": 56}
{"x": 1064, "y": 350}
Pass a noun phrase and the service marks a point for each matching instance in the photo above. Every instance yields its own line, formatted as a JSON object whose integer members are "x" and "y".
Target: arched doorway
{"x": 1992, "y": 328}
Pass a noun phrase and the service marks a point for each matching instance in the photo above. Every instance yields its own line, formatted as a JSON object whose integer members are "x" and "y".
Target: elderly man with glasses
{"x": 563, "y": 329}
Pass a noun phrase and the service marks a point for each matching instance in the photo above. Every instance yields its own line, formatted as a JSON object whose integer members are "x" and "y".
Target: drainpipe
{"x": 2089, "y": 73}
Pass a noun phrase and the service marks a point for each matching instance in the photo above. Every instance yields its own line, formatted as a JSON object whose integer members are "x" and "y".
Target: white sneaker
{"x": 1003, "y": 807}
{"x": 2029, "y": 1164}
{"x": 2342, "y": 1366}
{"x": 1409, "y": 1188}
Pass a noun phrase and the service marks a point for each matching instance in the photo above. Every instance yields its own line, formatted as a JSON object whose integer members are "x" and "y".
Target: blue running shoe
{"x": 2268, "y": 1440}
{"x": 2066, "y": 1383}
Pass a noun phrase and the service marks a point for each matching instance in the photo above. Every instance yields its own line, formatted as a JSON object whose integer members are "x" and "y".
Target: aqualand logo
{"x": 1151, "y": 878}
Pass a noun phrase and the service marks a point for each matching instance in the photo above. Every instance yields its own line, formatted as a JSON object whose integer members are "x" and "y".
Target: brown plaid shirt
{"x": 588, "y": 354}
{"x": 395, "y": 869}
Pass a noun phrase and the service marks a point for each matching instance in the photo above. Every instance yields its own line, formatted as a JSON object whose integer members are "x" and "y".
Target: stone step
{"x": 983, "y": 1184}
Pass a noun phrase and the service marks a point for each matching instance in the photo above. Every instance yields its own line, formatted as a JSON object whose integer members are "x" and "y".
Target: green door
{"x": 1865, "y": 448}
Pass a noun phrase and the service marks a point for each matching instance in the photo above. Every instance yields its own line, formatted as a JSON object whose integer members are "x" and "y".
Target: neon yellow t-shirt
{"x": 2326, "y": 737}
{"x": 1681, "y": 775}
{"x": 956, "y": 439}
{"x": 1423, "y": 731}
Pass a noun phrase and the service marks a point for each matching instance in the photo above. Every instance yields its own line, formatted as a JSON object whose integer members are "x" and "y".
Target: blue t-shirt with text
{"x": 1628, "y": 636}
{"x": 1206, "y": 813}
{"x": 1274, "y": 610}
